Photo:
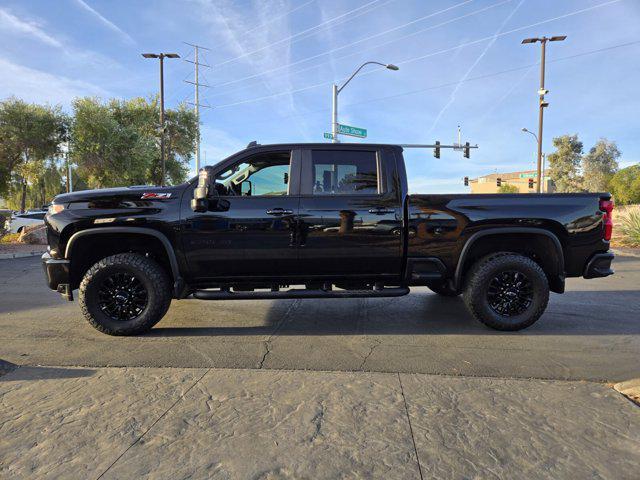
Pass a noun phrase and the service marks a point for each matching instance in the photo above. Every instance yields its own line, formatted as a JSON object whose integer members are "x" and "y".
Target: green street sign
{"x": 528, "y": 175}
{"x": 353, "y": 131}
{"x": 328, "y": 136}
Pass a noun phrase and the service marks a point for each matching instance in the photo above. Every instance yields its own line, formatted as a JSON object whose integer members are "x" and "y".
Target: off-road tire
{"x": 443, "y": 289}
{"x": 148, "y": 272}
{"x": 477, "y": 282}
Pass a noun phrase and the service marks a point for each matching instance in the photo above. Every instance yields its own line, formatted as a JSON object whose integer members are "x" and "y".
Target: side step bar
{"x": 299, "y": 293}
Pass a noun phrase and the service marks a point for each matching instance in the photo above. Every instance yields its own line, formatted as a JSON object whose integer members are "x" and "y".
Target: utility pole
{"x": 161, "y": 57}
{"x": 196, "y": 83}
{"x": 542, "y": 92}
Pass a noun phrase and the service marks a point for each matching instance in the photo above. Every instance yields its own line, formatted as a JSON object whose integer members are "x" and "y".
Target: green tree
{"x": 29, "y": 135}
{"x": 564, "y": 164}
{"x": 117, "y": 143}
{"x": 625, "y": 185}
{"x": 599, "y": 165}
{"x": 507, "y": 188}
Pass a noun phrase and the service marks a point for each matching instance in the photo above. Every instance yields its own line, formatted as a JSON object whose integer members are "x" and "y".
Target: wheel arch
{"x": 160, "y": 242}
{"x": 480, "y": 243}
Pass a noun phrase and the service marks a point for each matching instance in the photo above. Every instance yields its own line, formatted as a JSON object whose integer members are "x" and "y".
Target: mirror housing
{"x": 205, "y": 194}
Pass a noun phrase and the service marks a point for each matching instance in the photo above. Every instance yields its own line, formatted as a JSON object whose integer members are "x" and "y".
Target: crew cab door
{"x": 250, "y": 232}
{"x": 350, "y": 213}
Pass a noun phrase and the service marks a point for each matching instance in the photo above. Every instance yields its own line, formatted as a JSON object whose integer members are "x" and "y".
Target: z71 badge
{"x": 153, "y": 195}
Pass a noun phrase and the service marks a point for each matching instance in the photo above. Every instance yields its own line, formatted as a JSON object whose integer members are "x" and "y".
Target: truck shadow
{"x": 421, "y": 313}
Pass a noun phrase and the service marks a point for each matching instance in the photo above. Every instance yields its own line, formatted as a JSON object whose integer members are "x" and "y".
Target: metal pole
{"x": 197, "y": 113}
{"x": 162, "y": 118}
{"x": 541, "y": 180}
{"x": 69, "y": 172}
{"x": 334, "y": 114}
{"x": 541, "y": 113}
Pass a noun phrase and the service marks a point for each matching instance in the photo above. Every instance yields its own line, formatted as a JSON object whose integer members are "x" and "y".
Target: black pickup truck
{"x": 334, "y": 220}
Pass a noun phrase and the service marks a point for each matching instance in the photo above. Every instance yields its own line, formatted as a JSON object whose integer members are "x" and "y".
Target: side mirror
{"x": 246, "y": 188}
{"x": 205, "y": 195}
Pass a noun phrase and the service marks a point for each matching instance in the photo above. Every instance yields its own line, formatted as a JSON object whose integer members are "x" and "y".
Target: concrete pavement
{"x": 116, "y": 423}
{"x": 590, "y": 333}
{"x": 411, "y": 387}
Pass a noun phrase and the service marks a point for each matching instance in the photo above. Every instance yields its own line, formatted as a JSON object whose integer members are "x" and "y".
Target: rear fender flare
{"x": 505, "y": 231}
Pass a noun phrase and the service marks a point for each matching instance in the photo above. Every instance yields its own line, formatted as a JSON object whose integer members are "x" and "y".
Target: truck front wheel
{"x": 124, "y": 294}
{"x": 506, "y": 291}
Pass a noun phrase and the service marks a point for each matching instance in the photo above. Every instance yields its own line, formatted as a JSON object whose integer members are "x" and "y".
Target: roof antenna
{"x": 252, "y": 144}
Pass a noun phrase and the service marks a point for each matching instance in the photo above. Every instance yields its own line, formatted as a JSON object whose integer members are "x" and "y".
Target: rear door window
{"x": 344, "y": 172}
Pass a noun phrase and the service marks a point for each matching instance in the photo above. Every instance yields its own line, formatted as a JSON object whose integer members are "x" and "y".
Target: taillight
{"x": 606, "y": 206}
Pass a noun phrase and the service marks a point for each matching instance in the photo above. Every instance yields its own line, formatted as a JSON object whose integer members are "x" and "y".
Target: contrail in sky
{"x": 452, "y": 97}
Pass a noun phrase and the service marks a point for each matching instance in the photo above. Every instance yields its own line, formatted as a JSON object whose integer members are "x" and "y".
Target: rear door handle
{"x": 380, "y": 211}
{"x": 279, "y": 211}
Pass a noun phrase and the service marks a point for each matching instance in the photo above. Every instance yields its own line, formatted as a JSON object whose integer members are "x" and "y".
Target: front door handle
{"x": 380, "y": 211}
{"x": 279, "y": 211}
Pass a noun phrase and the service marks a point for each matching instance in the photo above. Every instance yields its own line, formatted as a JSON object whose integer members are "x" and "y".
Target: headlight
{"x": 55, "y": 208}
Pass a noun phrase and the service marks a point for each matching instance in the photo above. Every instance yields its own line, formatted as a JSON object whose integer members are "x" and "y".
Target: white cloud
{"x": 14, "y": 24}
{"x": 38, "y": 86}
{"x": 109, "y": 24}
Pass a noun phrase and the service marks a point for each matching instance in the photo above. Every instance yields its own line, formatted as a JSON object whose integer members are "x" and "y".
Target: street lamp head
{"x": 392, "y": 67}
{"x": 558, "y": 38}
{"x": 150, "y": 55}
{"x": 530, "y": 40}
{"x": 172, "y": 55}
{"x": 524, "y": 129}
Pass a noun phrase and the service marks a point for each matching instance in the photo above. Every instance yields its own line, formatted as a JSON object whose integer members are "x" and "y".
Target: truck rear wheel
{"x": 125, "y": 294}
{"x": 506, "y": 291}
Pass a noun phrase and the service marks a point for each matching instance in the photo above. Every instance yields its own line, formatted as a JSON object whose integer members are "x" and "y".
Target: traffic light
{"x": 467, "y": 150}
{"x": 531, "y": 183}
{"x": 436, "y": 151}
{"x": 466, "y": 181}
{"x": 498, "y": 182}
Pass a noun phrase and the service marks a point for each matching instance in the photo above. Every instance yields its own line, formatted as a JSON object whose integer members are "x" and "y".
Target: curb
{"x": 626, "y": 252}
{"x": 9, "y": 256}
{"x": 630, "y": 389}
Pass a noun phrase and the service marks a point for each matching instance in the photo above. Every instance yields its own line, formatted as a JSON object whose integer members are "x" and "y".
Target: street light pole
{"x": 161, "y": 57}
{"x": 540, "y": 178}
{"x": 542, "y": 104}
{"x": 336, "y": 90}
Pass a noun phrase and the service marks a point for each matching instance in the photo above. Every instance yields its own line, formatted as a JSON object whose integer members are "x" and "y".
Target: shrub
{"x": 10, "y": 238}
{"x": 627, "y": 222}
{"x": 625, "y": 185}
{"x": 506, "y": 188}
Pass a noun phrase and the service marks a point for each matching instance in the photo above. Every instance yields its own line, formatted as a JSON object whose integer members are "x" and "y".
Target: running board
{"x": 299, "y": 293}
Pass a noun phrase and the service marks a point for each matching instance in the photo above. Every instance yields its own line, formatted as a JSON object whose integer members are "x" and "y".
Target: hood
{"x": 139, "y": 192}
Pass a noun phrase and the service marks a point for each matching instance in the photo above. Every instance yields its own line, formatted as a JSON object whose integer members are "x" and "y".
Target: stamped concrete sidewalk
{"x": 215, "y": 423}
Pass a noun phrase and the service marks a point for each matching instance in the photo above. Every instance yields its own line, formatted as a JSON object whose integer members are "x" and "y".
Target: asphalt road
{"x": 590, "y": 333}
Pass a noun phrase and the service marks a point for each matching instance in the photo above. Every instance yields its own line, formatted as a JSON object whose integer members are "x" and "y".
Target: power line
{"x": 432, "y": 27}
{"x": 422, "y": 57}
{"x": 277, "y": 17}
{"x": 326, "y": 22}
{"x": 453, "y": 83}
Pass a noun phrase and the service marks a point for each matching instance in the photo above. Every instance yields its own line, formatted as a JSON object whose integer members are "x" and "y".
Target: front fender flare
{"x": 171, "y": 254}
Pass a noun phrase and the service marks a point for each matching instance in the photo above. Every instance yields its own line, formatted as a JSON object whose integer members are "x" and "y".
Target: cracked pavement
{"x": 409, "y": 387}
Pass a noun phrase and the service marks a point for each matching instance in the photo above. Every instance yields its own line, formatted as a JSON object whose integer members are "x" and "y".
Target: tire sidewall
{"x": 156, "y": 297}
{"x": 490, "y": 270}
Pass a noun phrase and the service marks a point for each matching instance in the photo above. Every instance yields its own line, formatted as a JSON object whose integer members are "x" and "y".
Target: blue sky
{"x": 461, "y": 62}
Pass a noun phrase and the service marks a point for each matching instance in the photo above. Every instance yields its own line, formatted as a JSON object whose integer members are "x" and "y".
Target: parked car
{"x": 27, "y": 219}
{"x": 335, "y": 219}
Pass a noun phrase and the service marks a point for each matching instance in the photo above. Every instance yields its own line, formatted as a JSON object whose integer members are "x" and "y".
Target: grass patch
{"x": 10, "y": 238}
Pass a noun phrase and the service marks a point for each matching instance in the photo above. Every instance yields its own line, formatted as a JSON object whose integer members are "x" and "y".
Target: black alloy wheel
{"x": 122, "y": 296}
{"x": 510, "y": 293}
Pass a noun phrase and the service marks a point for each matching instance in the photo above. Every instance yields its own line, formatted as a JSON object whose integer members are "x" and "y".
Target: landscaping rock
{"x": 35, "y": 235}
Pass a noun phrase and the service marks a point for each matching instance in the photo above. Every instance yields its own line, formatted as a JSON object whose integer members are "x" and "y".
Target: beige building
{"x": 520, "y": 180}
